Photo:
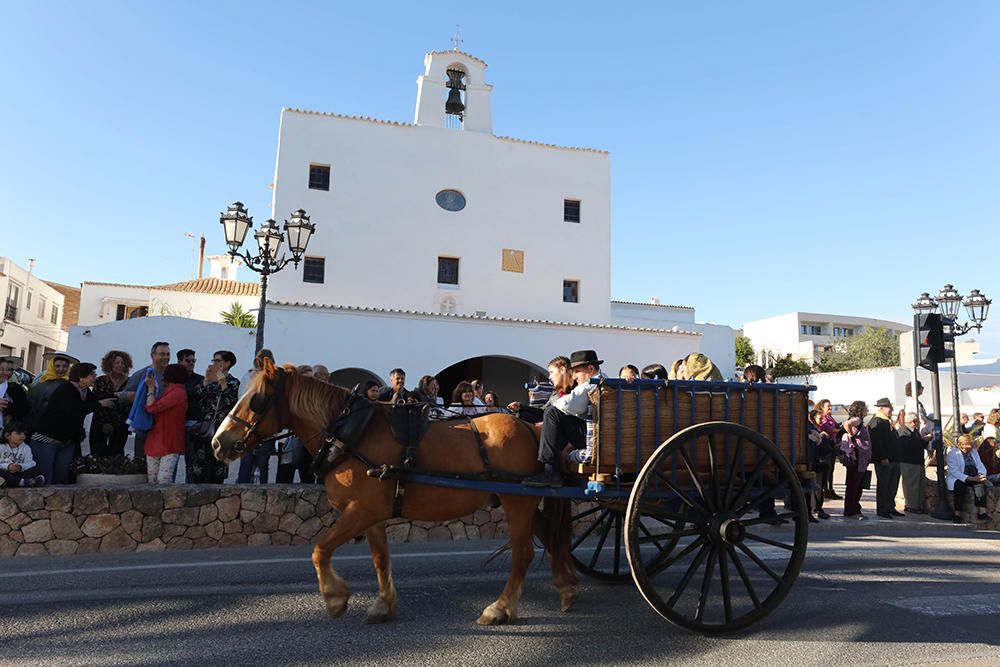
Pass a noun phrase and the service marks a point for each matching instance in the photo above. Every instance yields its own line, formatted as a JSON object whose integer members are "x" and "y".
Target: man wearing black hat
{"x": 885, "y": 456}
{"x": 563, "y": 420}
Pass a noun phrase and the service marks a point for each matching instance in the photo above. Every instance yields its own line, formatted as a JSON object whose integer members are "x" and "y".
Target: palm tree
{"x": 236, "y": 316}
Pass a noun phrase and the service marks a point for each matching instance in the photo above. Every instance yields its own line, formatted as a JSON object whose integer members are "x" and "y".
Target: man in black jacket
{"x": 885, "y": 455}
{"x": 912, "y": 454}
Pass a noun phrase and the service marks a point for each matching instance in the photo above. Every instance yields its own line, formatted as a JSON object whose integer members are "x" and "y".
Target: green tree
{"x": 874, "y": 347}
{"x": 786, "y": 367}
{"x": 745, "y": 354}
{"x": 236, "y": 316}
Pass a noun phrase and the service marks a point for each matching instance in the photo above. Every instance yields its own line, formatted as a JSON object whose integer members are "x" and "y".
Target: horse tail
{"x": 554, "y": 528}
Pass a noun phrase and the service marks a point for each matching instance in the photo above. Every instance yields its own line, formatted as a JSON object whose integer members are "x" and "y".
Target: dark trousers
{"x": 887, "y": 475}
{"x": 852, "y": 496}
{"x": 107, "y": 445}
{"x": 978, "y": 494}
{"x": 828, "y": 482}
{"x": 52, "y": 460}
{"x": 822, "y": 474}
{"x": 286, "y": 473}
{"x": 558, "y": 430}
{"x": 247, "y": 464}
{"x": 140, "y": 445}
{"x": 14, "y": 478}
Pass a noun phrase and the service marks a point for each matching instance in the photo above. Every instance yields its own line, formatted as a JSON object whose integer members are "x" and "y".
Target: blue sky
{"x": 766, "y": 157}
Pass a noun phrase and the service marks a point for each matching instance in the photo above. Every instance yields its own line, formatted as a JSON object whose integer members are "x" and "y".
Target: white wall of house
{"x": 31, "y": 313}
{"x": 429, "y": 343}
{"x": 784, "y": 334}
{"x": 381, "y": 232}
{"x": 99, "y": 302}
{"x": 90, "y": 343}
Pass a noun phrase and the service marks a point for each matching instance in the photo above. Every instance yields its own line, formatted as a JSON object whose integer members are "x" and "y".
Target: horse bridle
{"x": 260, "y": 405}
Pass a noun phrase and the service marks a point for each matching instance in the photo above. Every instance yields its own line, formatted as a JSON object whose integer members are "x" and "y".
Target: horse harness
{"x": 409, "y": 423}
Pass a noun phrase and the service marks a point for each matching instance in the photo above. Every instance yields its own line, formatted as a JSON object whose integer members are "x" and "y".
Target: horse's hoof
{"x": 379, "y": 612}
{"x": 567, "y": 597}
{"x": 494, "y": 615}
{"x": 336, "y": 607}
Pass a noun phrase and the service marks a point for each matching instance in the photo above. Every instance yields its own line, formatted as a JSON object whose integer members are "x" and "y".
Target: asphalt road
{"x": 871, "y": 593}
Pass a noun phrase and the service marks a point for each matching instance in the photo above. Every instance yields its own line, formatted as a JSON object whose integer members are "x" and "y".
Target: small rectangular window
{"x": 314, "y": 270}
{"x": 319, "y": 177}
{"x": 571, "y": 291}
{"x": 120, "y": 312}
{"x": 55, "y": 314}
{"x": 42, "y": 305}
{"x": 571, "y": 210}
{"x": 804, "y": 329}
{"x": 27, "y": 304}
{"x": 447, "y": 270}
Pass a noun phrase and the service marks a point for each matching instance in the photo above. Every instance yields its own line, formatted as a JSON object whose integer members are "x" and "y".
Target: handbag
{"x": 206, "y": 428}
{"x": 866, "y": 480}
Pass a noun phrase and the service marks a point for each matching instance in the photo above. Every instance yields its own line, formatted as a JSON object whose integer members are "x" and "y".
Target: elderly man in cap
{"x": 885, "y": 455}
{"x": 564, "y": 420}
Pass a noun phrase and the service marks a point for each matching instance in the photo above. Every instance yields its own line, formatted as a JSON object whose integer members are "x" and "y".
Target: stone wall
{"x": 969, "y": 512}
{"x": 71, "y": 520}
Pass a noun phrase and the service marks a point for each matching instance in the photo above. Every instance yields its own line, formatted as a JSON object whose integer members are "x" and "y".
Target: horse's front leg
{"x": 384, "y": 607}
{"x": 520, "y": 511}
{"x": 333, "y": 588}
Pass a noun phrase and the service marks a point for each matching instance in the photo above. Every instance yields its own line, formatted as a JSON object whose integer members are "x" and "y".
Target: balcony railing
{"x": 10, "y": 312}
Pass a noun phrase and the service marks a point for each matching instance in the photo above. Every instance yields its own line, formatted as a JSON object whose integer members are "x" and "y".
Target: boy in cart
{"x": 564, "y": 420}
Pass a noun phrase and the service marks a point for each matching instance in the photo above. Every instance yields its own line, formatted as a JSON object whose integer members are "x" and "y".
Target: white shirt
{"x": 21, "y": 455}
{"x": 577, "y": 401}
{"x": 956, "y": 466}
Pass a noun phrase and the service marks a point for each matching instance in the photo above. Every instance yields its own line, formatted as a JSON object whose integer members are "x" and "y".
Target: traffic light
{"x": 933, "y": 340}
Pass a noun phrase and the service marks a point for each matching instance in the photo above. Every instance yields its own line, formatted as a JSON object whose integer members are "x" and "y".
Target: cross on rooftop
{"x": 456, "y": 39}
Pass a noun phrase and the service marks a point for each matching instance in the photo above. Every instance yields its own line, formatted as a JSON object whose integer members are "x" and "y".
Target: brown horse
{"x": 279, "y": 399}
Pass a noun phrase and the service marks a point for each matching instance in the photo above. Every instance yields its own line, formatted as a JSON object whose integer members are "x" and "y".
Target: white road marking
{"x": 214, "y": 563}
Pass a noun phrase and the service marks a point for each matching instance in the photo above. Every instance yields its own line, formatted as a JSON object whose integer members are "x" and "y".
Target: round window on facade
{"x": 450, "y": 200}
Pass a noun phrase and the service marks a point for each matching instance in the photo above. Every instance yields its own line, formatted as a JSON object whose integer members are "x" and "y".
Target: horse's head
{"x": 261, "y": 413}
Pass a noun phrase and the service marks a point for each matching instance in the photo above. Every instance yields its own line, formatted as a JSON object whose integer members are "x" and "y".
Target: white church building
{"x": 447, "y": 250}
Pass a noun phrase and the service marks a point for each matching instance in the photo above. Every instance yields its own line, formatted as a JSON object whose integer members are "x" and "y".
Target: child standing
{"x": 17, "y": 466}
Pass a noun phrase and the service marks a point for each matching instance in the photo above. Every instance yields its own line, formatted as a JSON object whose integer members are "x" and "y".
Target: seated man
{"x": 563, "y": 420}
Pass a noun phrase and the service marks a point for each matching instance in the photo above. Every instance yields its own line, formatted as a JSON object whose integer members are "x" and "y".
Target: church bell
{"x": 453, "y": 104}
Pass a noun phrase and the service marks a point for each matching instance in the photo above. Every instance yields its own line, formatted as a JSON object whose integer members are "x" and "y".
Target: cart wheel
{"x": 598, "y": 546}
{"x": 726, "y": 568}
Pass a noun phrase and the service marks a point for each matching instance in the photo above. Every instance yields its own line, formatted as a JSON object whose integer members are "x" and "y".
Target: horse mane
{"x": 311, "y": 399}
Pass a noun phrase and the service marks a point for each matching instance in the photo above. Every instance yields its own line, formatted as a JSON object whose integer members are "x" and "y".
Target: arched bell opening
{"x": 454, "y": 105}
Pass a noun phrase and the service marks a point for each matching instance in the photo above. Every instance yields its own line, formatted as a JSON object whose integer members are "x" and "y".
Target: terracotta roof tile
{"x": 199, "y": 286}
{"x": 463, "y": 53}
{"x": 515, "y": 320}
{"x": 648, "y": 303}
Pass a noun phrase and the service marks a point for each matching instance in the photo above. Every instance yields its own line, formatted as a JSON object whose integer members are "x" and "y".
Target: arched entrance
{"x": 504, "y": 375}
{"x": 348, "y": 377}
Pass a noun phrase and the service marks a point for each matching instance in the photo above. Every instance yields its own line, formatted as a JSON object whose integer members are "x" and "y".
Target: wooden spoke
{"x": 743, "y": 575}
{"x": 619, "y": 518}
{"x": 688, "y": 575}
{"x": 754, "y": 502}
{"x": 585, "y": 534}
{"x": 684, "y": 498}
{"x": 727, "y": 602}
{"x": 654, "y": 511}
{"x": 767, "y": 540}
{"x": 586, "y": 513}
{"x": 648, "y": 537}
{"x": 706, "y": 586}
{"x": 695, "y": 479}
{"x": 665, "y": 560}
{"x": 652, "y": 539}
{"x": 600, "y": 543}
{"x": 730, "y": 483}
{"x": 750, "y": 483}
{"x": 761, "y": 564}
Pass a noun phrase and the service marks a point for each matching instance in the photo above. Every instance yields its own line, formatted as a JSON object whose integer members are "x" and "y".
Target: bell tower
{"x": 452, "y": 93}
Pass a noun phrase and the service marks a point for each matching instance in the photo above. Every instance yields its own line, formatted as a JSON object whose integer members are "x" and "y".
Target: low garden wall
{"x": 78, "y": 520}
{"x": 969, "y": 512}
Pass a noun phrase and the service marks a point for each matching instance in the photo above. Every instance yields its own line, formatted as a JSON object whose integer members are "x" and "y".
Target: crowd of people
{"x": 173, "y": 411}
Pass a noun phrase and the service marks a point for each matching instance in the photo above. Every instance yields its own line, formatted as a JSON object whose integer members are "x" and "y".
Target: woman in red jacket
{"x": 165, "y": 442}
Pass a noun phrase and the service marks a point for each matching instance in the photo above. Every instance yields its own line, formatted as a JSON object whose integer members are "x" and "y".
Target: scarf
{"x": 50, "y": 373}
{"x": 881, "y": 415}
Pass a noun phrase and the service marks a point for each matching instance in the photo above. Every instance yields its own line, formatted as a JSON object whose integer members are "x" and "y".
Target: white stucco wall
{"x": 98, "y": 303}
{"x": 381, "y": 231}
{"x": 783, "y": 335}
{"x": 90, "y": 343}
{"x": 427, "y": 344}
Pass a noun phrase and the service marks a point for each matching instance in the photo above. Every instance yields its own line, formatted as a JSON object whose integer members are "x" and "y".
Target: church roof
{"x": 651, "y": 304}
{"x": 462, "y": 53}
{"x": 512, "y": 320}
{"x": 199, "y": 286}
{"x": 379, "y": 121}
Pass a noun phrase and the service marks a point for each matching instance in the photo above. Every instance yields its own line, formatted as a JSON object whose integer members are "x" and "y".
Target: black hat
{"x": 883, "y": 403}
{"x": 584, "y": 358}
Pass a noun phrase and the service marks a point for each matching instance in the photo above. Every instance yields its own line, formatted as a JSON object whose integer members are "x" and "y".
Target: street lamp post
{"x": 236, "y": 222}
{"x": 949, "y": 300}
